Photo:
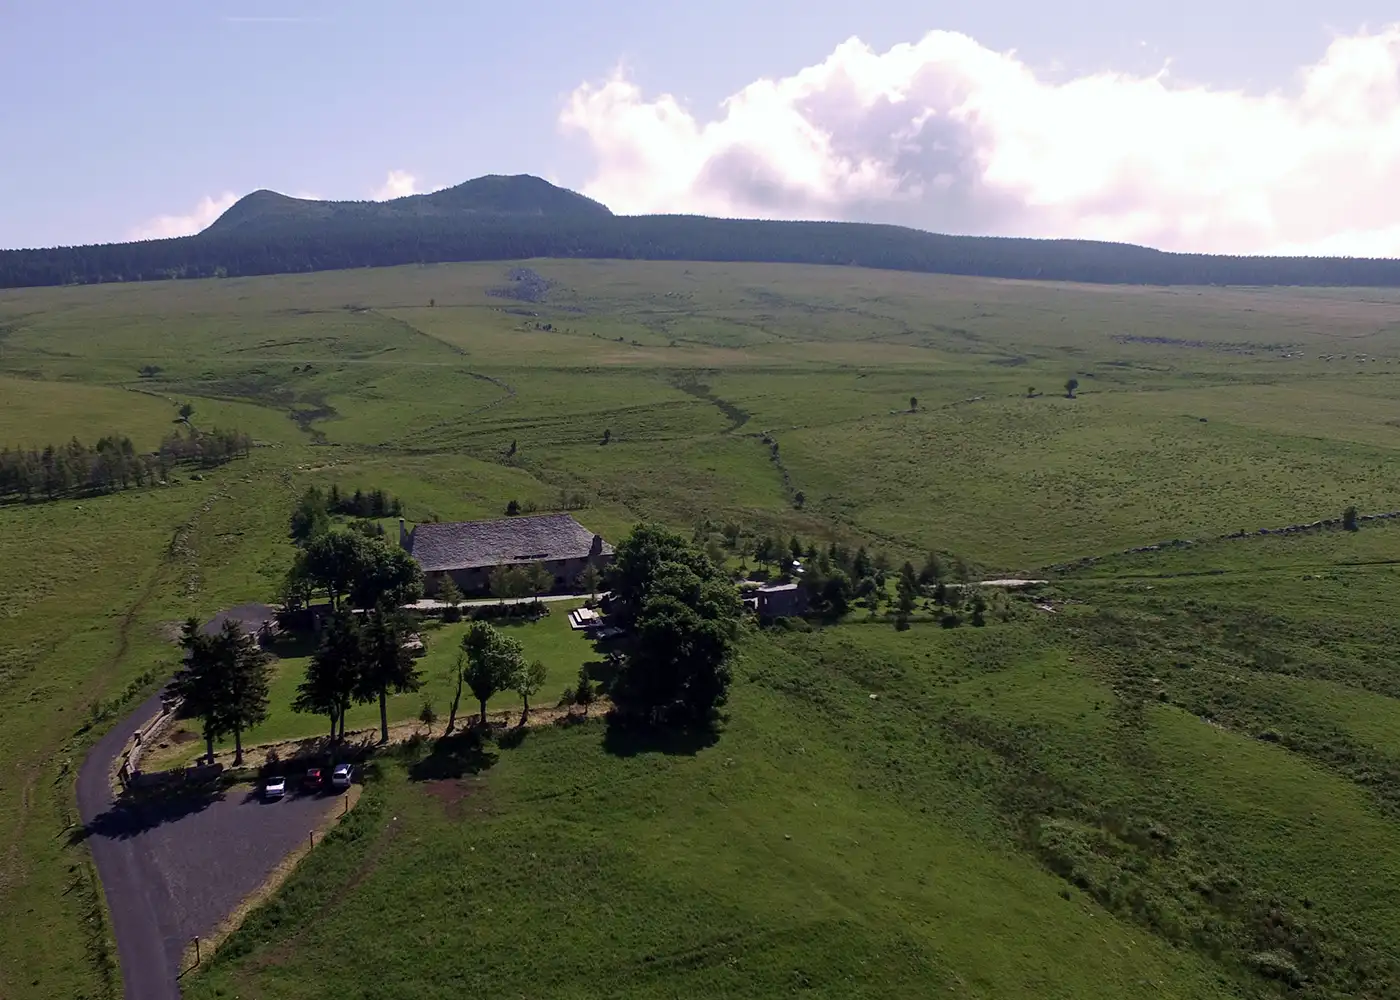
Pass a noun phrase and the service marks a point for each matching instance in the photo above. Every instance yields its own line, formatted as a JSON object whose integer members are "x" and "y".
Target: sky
{"x": 1223, "y": 127}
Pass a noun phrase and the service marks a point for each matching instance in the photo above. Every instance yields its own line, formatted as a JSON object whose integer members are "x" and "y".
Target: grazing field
{"x": 1182, "y": 778}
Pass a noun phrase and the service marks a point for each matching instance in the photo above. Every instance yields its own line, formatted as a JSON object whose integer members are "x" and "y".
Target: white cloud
{"x": 166, "y": 226}
{"x": 948, "y": 135}
{"x": 398, "y": 184}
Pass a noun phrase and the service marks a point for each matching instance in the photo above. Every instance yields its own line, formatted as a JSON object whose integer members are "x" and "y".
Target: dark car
{"x": 314, "y": 779}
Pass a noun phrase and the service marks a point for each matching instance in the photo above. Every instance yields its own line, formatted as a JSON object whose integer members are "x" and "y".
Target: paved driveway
{"x": 175, "y": 869}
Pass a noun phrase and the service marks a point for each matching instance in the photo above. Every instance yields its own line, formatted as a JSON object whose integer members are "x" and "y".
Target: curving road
{"x": 175, "y": 869}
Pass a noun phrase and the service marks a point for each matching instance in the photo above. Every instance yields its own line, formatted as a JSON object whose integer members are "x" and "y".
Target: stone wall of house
{"x": 477, "y": 582}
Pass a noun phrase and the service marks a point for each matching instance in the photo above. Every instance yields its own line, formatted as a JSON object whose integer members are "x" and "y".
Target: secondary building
{"x": 468, "y": 551}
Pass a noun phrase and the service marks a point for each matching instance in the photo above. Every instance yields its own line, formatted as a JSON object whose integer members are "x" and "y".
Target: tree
{"x": 589, "y": 579}
{"x": 186, "y": 411}
{"x": 583, "y": 691}
{"x": 508, "y": 582}
{"x": 451, "y": 596}
{"x": 1070, "y": 386}
{"x": 248, "y": 681}
{"x": 715, "y": 551}
{"x": 428, "y": 715}
{"x": 386, "y": 664}
{"x": 766, "y": 550}
{"x": 224, "y": 682}
{"x": 799, "y": 499}
{"x": 311, "y": 518}
{"x": 1349, "y": 519}
{"x": 907, "y": 589}
{"x": 836, "y": 593}
{"x": 385, "y": 574}
{"x": 538, "y": 579}
{"x": 512, "y": 449}
{"x": 512, "y": 508}
{"x": 962, "y": 572}
{"x": 913, "y": 403}
{"x": 932, "y": 570}
{"x": 333, "y": 561}
{"x": 200, "y": 684}
{"x": 528, "y": 684}
{"x": 492, "y": 664}
{"x": 795, "y": 547}
{"x": 607, "y": 435}
{"x": 682, "y": 614}
{"x": 1030, "y": 392}
{"x": 979, "y": 609}
{"x": 333, "y": 673}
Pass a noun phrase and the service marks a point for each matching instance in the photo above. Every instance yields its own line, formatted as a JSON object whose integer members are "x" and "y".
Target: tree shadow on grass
{"x": 627, "y": 738}
{"x": 135, "y": 813}
{"x": 453, "y": 756}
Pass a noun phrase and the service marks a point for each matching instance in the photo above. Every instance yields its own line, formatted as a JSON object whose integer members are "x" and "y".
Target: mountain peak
{"x": 493, "y": 196}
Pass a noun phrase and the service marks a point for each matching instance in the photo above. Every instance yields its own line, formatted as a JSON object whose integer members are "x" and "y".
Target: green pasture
{"x": 1174, "y": 777}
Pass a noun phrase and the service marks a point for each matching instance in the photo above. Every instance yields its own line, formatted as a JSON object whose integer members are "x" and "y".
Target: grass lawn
{"x": 1176, "y": 776}
{"x": 549, "y": 639}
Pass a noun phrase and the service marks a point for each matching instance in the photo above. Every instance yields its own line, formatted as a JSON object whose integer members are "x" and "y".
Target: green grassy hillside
{"x": 1182, "y": 778}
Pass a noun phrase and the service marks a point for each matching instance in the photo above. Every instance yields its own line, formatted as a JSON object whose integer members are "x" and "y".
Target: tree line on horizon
{"x": 296, "y": 244}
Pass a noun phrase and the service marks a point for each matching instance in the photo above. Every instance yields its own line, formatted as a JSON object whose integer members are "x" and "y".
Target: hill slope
{"x": 512, "y": 218}
{"x": 485, "y": 198}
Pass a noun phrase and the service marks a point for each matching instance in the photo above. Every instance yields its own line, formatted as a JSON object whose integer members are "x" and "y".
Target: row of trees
{"x": 674, "y": 667}
{"x": 224, "y": 682}
{"x": 361, "y": 659}
{"x": 490, "y": 662}
{"x": 350, "y": 565}
{"x": 312, "y": 515}
{"x": 112, "y": 463}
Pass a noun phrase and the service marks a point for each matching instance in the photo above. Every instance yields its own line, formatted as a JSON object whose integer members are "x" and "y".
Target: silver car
{"x": 341, "y": 776}
{"x": 275, "y": 788}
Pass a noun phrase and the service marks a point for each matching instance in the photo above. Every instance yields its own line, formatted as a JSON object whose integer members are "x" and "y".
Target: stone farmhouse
{"x": 467, "y": 551}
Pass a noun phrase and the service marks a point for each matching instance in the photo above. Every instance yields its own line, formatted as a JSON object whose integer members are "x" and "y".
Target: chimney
{"x": 403, "y": 536}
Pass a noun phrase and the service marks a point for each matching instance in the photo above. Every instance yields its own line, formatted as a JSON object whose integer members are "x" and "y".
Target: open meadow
{"x": 1173, "y": 772}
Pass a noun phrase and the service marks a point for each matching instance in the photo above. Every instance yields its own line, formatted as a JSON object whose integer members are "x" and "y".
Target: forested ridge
{"x": 523, "y": 218}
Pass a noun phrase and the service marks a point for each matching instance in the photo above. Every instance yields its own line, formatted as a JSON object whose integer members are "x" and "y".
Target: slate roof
{"x": 473, "y": 544}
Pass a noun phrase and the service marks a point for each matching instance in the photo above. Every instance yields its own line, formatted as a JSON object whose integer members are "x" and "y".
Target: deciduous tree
{"x": 528, "y": 684}
{"x": 492, "y": 664}
{"x": 682, "y": 614}
{"x": 385, "y": 574}
{"x": 539, "y": 580}
{"x": 1071, "y": 385}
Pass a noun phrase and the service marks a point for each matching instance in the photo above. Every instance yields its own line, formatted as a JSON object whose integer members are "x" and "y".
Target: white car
{"x": 275, "y": 788}
{"x": 340, "y": 777}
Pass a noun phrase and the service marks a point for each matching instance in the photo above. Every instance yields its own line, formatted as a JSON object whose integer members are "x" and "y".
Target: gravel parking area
{"x": 176, "y": 869}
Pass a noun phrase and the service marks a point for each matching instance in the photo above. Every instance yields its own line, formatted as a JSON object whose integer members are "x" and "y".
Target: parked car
{"x": 274, "y": 788}
{"x": 341, "y": 776}
{"x": 314, "y": 778}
